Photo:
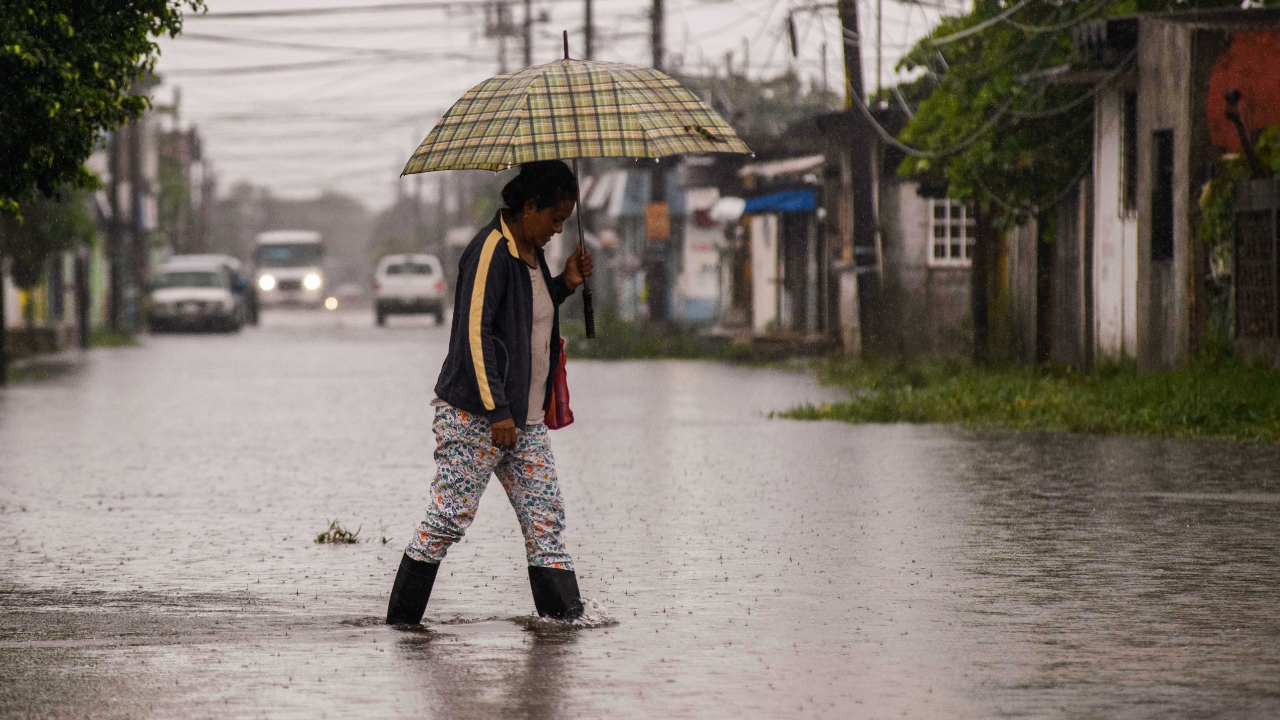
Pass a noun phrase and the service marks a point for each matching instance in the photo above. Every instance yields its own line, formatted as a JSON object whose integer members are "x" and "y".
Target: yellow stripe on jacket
{"x": 476, "y": 317}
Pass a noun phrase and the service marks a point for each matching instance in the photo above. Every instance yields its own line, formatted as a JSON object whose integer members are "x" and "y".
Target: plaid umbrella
{"x": 572, "y": 109}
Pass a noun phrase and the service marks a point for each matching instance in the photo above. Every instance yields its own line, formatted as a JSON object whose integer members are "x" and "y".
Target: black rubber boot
{"x": 555, "y": 593}
{"x": 412, "y": 590}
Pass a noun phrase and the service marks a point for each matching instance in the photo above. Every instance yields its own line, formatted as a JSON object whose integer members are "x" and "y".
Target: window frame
{"x": 946, "y": 224}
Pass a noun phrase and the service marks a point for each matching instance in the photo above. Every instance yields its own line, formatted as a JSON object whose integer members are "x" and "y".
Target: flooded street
{"x": 158, "y": 506}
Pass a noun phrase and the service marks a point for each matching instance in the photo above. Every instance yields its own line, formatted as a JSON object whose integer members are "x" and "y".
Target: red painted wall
{"x": 1251, "y": 65}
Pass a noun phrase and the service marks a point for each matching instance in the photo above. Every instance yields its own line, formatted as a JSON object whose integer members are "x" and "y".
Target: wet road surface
{"x": 158, "y": 506}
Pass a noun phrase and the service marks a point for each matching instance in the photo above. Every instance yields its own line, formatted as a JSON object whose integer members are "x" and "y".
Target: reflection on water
{"x": 157, "y": 512}
{"x": 490, "y": 670}
{"x": 1143, "y": 572}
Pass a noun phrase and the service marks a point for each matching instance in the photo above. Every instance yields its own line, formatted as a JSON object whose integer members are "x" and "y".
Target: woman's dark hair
{"x": 546, "y": 182}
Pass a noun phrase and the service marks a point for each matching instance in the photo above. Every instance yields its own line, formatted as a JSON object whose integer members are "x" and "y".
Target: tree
{"x": 992, "y": 131}
{"x": 48, "y": 226}
{"x": 65, "y": 72}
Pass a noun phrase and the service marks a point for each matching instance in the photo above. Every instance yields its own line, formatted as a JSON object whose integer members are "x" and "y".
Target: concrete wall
{"x": 1014, "y": 317}
{"x": 1072, "y": 303}
{"x": 1115, "y": 234}
{"x": 927, "y": 307}
{"x": 1164, "y": 103}
{"x": 764, "y": 272}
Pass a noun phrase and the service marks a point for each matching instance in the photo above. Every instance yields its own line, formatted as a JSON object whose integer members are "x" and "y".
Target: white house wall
{"x": 1115, "y": 233}
{"x": 698, "y": 285}
{"x": 764, "y": 272}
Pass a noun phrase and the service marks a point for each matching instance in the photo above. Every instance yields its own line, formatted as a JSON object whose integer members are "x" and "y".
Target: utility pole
{"x": 658, "y": 249}
{"x": 498, "y": 25}
{"x": 859, "y": 251}
{"x": 826, "y": 83}
{"x": 588, "y": 32}
{"x": 4, "y": 327}
{"x": 879, "y": 45}
{"x": 137, "y": 236}
{"x": 115, "y": 265}
{"x": 528, "y": 33}
{"x": 657, "y": 39}
{"x": 417, "y": 212}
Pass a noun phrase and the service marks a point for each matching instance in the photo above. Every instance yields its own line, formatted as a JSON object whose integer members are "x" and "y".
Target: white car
{"x": 409, "y": 285}
{"x": 194, "y": 295}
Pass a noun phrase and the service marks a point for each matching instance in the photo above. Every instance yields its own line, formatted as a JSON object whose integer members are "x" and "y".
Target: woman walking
{"x": 492, "y": 392}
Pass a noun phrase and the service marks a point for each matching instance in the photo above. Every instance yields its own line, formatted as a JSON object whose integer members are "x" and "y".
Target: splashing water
{"x": 594, "y": 615}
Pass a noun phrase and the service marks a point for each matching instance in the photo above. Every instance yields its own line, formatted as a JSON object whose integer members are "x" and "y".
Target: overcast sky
{"x": 301, "y": 103}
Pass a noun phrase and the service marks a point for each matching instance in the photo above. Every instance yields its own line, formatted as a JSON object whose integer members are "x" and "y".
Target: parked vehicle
{"x": 194, "y": 295}
{"x": 409, "y": 285}
{"x": 289, "y": 268}
{"x": 240, "y": 284}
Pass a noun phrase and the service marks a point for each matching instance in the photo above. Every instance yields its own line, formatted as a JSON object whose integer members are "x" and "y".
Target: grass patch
{"x": 1221, "y": 399}
{"x": 336, "y": 534}
{"x": 621, "y": 340}
{"x": 41, "y": 371}
{"x": 105, "y": 338}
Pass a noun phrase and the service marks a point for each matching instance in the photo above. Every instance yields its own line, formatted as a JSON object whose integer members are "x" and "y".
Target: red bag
{"x": 557, "y": 412}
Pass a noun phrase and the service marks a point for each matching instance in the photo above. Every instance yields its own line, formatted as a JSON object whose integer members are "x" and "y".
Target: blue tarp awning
{"x": 804, "y": 200}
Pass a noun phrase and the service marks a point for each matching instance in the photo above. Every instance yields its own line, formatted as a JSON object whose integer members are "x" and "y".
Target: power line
{"x": 1123, "y": 66}
{"x": 259, "y": 69}
{"x": 1082, "y": 17}
{"x": 349, "y": 9}
{"x": 977, "y": 28}
{"x": 1034, "y": 208}
{"x": 312, "y": 47}
{"x": 887, "y": 137}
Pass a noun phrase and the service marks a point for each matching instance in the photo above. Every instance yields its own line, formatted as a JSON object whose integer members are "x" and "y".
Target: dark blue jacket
{"x": 487, "y": 370}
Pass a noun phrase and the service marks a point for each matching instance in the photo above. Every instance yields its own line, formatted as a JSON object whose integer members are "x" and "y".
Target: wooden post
{"x": 861, "y": 180}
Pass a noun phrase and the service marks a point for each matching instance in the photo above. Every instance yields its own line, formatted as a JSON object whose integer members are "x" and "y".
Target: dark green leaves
{"x": 65, "y": 68}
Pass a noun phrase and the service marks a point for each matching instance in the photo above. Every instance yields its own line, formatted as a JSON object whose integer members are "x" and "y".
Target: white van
{"x": 290, "y": 268}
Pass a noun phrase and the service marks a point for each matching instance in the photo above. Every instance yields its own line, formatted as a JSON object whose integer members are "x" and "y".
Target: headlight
{"x": 311, "y": 282}
{"x": 266, "y": 282}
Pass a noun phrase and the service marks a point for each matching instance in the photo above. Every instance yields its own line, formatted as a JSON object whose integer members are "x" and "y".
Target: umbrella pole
{"x": 588, "y": 312}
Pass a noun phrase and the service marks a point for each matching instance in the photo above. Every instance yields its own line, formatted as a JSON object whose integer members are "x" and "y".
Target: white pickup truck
{"x": 409, "y": 285}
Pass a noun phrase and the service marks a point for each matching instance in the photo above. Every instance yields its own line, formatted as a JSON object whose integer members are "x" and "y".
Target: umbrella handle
{"x": 588, "y": 309}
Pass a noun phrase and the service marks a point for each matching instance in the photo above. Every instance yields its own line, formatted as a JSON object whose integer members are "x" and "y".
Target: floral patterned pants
{"x": 465, "y": 457}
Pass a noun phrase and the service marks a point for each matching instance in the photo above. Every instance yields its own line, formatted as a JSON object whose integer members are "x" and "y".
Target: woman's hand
{"x": 577, "y": 268}
{"x": 504, "y": 434}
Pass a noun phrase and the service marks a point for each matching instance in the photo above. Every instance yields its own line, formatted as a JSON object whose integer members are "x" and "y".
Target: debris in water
{"x": 338, "y": 534}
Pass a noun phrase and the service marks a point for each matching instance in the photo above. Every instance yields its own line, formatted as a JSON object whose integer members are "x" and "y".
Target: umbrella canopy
{"x": 572, "y": 109}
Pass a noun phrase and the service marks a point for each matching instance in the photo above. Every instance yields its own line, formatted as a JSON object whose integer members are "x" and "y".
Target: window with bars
{"x": 951, "y": 230}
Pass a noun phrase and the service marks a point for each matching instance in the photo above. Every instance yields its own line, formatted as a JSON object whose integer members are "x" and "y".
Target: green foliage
{"x": 65, "y": 72}
{"x": 48, "y": 226}
{"x": 1018, "y": 162}
{"x": 108, "y": 338}
{"x": 1032, "y": 138}
{"x": 1217, "y": 224}
{"x": 1217, "y": 397}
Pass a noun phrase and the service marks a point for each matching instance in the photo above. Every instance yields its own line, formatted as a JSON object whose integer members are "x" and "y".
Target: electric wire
{"x": 1035, "y": 208}
{"x": 1097, "y": 87}
{"x": 311, "y": 47}
{"x": 982, "y": 130}
{"x": 1077, "y": 20}
{"x": 350, "y": 9}
{"x": 977, "y": 28}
